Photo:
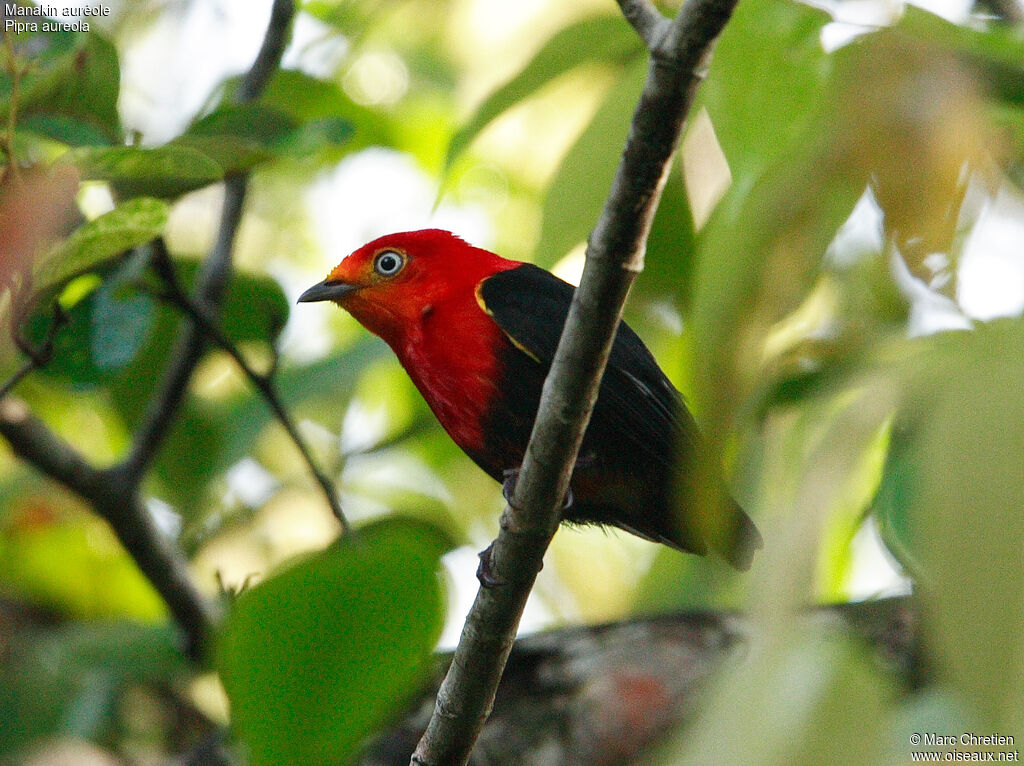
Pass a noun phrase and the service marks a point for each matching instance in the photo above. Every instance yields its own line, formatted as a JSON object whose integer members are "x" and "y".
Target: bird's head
{"x": 392, "y": 283}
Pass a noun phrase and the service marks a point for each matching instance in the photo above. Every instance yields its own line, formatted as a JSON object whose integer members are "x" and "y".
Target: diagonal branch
{"x": 646, "y": 20}
{"x": 200, "y": 316}
{"x": 216, "y": 269}
{"x": 114, "y": 492}
{"x": 615, "y": 256}
{"x": 119, "y": 504}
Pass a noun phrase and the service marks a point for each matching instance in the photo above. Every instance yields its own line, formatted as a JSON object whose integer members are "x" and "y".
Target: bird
{"x": 477, "y": 333}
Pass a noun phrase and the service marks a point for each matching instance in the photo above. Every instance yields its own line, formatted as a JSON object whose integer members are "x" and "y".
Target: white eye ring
{"x": 387, "y": 263}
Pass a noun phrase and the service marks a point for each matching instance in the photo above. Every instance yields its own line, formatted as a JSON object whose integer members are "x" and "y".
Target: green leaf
{"x": 258, "y": 123}
{"x": 81, "y": 84}
{"x": 950, "y": 504}
{"x": 165, "y": 172}
{"x": 65, "y": 681}
{"x": 68, "y": 130}
{"x": 577, "y": 193}
{"x": 600, "y": 40}
{"x": 101, "y": 240}
{"x": 321, "y": 654}
{"x": 321, "y": 114}
{"x": 766, "y": 82}
{"x": 238, "y": 136}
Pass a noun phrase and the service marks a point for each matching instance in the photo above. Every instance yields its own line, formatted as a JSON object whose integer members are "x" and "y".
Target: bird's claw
{"x": 508, "y": 485}
{"x": 485, "y": 569}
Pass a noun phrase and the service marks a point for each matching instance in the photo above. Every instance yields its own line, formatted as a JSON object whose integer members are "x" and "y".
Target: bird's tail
{"x": 740, "y": 539}
{"x": 709, "y": 519}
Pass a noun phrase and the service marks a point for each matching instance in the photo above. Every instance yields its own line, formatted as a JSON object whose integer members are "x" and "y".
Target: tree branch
{"x": 119, "y": 504}
{"x": 615, "y": 255}
{"x": 114, "y": 492}
{"x": 646, "y": 20}
{"x": 216, "y": 270}
{"x": 177, "y": 297}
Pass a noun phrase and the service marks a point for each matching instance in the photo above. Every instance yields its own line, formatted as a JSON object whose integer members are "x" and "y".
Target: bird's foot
{"x": 485, "y": 569}
{"x": 508, "y": 485}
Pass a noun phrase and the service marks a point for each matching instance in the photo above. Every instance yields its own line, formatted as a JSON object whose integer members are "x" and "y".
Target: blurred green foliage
{"x": 792, "y": 345}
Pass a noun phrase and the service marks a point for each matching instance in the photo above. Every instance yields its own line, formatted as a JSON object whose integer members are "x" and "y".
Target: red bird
{"x": 477, "y": 334}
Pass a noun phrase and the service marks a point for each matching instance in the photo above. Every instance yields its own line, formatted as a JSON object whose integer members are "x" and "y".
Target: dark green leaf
{"x": 599, "y": 40}
{"x": 165, "y": 172}
{"x": 258, "y": 123}
{"x": 238, "y": 136}
{"x": 320, "y": 112}
{"x": 80, "y": 84}
{"x": 68, "y": 130}
{"x": 318, "y": 656}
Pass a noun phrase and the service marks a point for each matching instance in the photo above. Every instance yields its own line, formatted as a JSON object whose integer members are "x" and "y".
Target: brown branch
{"x": 176, "y": 296}
{"x": 114, "y": 492}
{"x": 118, "y": 503}
{"x": 614, "y": 256}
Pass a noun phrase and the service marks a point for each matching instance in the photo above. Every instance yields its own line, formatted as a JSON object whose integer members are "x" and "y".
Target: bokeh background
{"x": 834, "y": 280}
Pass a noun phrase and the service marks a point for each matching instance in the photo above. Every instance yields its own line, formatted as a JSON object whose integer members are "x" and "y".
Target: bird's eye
{"x": 388, "y": 263}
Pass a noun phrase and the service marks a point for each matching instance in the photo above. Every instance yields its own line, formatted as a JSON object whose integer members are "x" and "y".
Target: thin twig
{"x": 264, "y": 383}
{"x": 646, "y": 20}
{"x": 614, "y": 256}
{"x": 216, "y": 269}
{"x": 38, "y": 357}
{"x": 211, "y": 282}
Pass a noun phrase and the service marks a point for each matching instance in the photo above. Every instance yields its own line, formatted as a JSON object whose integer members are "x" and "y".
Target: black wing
{"x": 636, "y": 401}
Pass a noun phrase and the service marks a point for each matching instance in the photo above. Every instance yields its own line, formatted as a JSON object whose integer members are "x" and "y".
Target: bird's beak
{"x": 327, "y": 290}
